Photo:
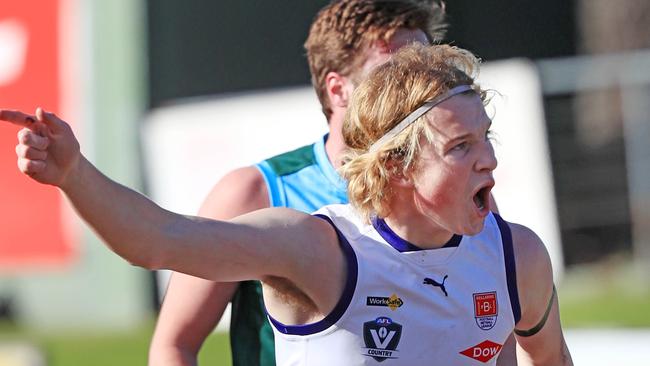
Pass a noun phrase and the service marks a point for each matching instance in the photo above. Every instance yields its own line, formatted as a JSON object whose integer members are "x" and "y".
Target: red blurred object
{"x": 32, "y": 233}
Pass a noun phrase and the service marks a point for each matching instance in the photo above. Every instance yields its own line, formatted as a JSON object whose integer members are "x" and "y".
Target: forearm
{"x": 148, "y": 236}
{"x": 562, "y": 357}
{"x": 130, "y": 224}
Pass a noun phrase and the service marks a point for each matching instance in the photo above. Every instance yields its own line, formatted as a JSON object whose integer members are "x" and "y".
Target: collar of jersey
{"x": 326, "y": 166}
{"x": 402, "y": 245}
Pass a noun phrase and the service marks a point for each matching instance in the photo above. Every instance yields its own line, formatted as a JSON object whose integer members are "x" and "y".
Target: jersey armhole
{"x": 274, "y": 187}
{"x": 344, "y": 301}
{"x": 510, "y": 266}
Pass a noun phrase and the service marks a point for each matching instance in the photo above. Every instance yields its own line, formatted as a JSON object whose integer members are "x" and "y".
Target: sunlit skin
{"x": 380, "y": 53}
{"x": 438, "y": 200}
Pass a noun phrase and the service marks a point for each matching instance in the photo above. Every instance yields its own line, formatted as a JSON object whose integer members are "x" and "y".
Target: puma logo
{"x": 434, "y": 283}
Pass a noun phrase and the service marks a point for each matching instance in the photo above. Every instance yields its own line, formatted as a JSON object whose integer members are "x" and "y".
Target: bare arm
{"x": 193, "y": 306}
{"x": 535, "y": 284}
{"x": 266, "y": 244}
{"x": 508, "y": 354}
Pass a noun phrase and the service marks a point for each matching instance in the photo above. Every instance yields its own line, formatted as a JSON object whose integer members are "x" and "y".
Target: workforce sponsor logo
{"x": 381, "y": 336}
{"x": 483, "y": 351}
{"x": 485, "y": 309}
{"x": 393, "y": 302}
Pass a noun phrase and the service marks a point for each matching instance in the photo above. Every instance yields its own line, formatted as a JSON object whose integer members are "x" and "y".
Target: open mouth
{"x": 482, "y": 197}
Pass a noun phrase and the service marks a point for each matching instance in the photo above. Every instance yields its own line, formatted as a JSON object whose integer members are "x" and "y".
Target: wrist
{"x": 74, "y": 176}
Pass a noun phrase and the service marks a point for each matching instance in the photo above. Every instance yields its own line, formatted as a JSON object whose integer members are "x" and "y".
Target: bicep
{"x": 547, "y": 346}
{"x": 267, "y": 242}
{"x": 540, "y": 319}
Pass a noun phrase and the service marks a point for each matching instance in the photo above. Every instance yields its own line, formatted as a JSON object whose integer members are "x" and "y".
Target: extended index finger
{"x": 17, "y": 117}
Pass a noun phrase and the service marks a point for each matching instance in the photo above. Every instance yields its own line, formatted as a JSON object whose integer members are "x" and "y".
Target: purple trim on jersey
{"x": 402, "y": 245}
{"x": 511, "y": 271}
{"x": 344, "y": 301}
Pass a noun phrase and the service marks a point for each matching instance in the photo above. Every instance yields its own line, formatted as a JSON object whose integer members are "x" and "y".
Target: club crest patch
{"x": 485, "y": 309}
{"x": 381, "y": 337}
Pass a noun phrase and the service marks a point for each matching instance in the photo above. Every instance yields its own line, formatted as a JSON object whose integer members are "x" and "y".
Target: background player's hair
{"x": 414, "y": 75}
{"x": 344, "y": 29}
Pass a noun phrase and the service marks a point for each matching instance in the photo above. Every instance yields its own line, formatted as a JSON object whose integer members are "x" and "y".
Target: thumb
{"x": 51, "y": 120}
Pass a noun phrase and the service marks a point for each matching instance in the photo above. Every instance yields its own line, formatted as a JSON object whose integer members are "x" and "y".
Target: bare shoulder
{"x": 530, "y": 252}
{"x": 241, "y": 190}
{"x": 310, "y": 240}
{"x": 534, "y": 274}
{"x": 310, "y": 230}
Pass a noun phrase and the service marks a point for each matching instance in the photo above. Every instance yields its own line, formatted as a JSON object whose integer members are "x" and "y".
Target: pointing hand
{"x": 47, "y": 149}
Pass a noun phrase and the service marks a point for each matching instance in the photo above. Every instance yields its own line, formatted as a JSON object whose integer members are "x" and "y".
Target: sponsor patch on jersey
{"x": 485, "y": 309}
{"x": 393, "y": 302}
{"x": 381, "y": 337}
{"x": 483, "y": 351}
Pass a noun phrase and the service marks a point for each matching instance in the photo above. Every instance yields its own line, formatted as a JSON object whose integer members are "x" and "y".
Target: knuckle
{"x": 22, "y": 165}
{"x": 34, "y": 166}
{"x": 36, "y": 154}
{"x": 23, "y": 136}
{"x": 21, "y": 151}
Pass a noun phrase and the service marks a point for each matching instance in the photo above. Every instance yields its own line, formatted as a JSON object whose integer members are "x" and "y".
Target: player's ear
{"x": 339, "y": 89}
{"x": 399, "y": 177}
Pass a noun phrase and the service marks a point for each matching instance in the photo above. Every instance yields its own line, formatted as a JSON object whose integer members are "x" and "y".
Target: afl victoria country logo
{"x": 381, "y": 337}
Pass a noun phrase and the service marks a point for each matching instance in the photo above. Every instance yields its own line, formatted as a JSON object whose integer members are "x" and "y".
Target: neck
{"x": 409, "y": 222}
{"x": 335, "y": 146}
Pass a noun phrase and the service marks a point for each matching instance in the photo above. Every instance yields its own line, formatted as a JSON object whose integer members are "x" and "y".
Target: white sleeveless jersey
{"x": 455, "y": 305}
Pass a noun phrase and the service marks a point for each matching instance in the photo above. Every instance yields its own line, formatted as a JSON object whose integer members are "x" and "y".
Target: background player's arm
{"x": 535, "y": 286}
{"x": 193, "y": 306}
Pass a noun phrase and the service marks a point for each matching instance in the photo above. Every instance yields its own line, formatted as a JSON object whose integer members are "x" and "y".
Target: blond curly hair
{"x": 344, "y": 29}
{"x": 414, "y": 75}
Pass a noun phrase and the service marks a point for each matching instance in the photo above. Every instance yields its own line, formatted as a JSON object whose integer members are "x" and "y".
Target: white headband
{"x": 424, "y": 108}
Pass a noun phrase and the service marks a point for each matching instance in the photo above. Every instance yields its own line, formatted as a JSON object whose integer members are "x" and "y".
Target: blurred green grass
{"x": 106, "y": 349}
{"x": 614, "y": 293}
{"x": 606, "y": 295}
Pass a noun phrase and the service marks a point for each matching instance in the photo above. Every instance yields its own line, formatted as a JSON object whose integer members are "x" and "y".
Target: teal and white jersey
{"x": 303, "y": 179}
{"x": 403, "y": 305}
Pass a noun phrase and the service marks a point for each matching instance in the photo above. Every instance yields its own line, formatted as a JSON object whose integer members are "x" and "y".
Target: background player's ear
{"x": 339, "y": 89}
